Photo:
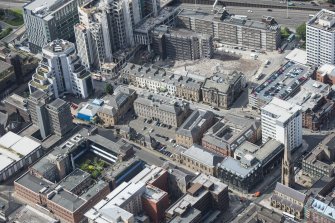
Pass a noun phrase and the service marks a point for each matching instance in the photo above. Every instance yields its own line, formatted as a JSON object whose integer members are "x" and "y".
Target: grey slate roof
{"x": 290, "y": 192}
{"x": 200, "y": 154}
{"x": 193, "y": 124}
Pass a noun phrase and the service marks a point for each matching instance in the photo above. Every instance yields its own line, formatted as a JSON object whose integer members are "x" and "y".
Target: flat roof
{"x": 25, "y": 146}
{"x": 14, "y": 148}
{"x": 234, "y": 166}
{"x": 283, "y": 110}
{"x": 5, "y": 161}
{"x": 224, "y": 17}
{"x": 75, "y": 178}
{"x": 9, "y": 139}
{"x": 282, "y": 83}
{"x": 43, "y": 8}
{"x": 298, "y": 56}
{"x": 321, "y": 18}
{"x": 310, "y": 94}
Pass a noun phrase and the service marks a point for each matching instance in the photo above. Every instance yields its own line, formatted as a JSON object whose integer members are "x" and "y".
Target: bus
{"x": 291, "y": 37}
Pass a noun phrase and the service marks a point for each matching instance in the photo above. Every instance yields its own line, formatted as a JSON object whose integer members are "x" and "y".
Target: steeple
{"x": 287, "y": 163}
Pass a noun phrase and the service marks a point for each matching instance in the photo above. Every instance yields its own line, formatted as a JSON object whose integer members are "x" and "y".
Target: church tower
{"x": 287, "y": 173}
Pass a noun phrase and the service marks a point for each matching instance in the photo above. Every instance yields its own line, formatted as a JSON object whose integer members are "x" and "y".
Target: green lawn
{"x": 15, "y": 17}
{"x": 5, "y": 32}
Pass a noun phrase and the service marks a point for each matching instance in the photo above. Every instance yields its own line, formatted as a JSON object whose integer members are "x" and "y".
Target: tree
{"x": 301, "y": 32}
{"x": 109, "y": 88}
{"x": 284, "y": 32}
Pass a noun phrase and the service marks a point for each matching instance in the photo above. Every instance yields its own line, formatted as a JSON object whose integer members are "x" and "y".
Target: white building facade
{"x": 320, "y": 38}
{"x": 282, "y": 121}
{"x": 61, "y": 71}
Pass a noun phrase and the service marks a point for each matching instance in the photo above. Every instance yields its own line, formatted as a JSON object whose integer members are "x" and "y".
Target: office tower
{"x": 60, "y": 117}
{"x": 320, "y": 38}
{"x": 282, "y": 121}
{"x": 61, "y": 71}
{"x": 51, "y": 116}
{"x": 37, "y": 102}
{"x": 105, "y": 26}
{"x": 46, "y": 21}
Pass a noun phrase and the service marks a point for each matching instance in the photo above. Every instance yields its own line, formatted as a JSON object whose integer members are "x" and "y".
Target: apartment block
{"x": 161, "y": 109}
{"x": 161, "y": 80}
{"x": 232, "y": 29}
{"x": 61, "y": 71}
{"x": 181, "y": 44}
{"x": 50, "y": 20}
{"x": 192, "y": 130}
{"x": 320, "y": 37}
{"x": 222, "y": 90}
{"x": 282, "y": 121}
{"x": 105, "y": 27}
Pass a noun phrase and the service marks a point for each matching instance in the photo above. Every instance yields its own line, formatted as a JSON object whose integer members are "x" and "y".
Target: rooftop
{"x": 290, "y": 192}
{"x": 310, "y": 94}
{"x": 161, "y": 75}
{"x": 153, "y": 193}
{"x": 148, "y": 174}
{"x": 195, "y": 122}
{"x": 231, "y": 131}
{"x": 282, "y": 83}
{"x": 323, "y": 20}
{"x": 281, "y": 110}
{"x": 111, "y": 214}
{"x": 16, "y": 100}
{"x": 180, "y": 32}
{"x": 57, "y": 103}
{"x": 151, "y": 22}
{"x": 327, "y": 69}
{"x": 238, "y": 168}
{"x": 222, "y": 82}
{"x": 163, "y": 103}
{"x": 14, "y": 148}
{"x": 222, "y": 16}
{"x": 42, "y": 8}
{"x": 322, "y": 156}
{"x": 75, "y": 178}
{"x": 58, "y": 46}
{"x": 262, "y": 153}
{"x": 187, "y": 216}
{"x": 200, "y": 154}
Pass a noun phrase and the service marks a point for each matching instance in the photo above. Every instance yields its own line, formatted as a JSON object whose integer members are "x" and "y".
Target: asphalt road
{"x": 12, "y": 3}
{"x": 296, "y": 17}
